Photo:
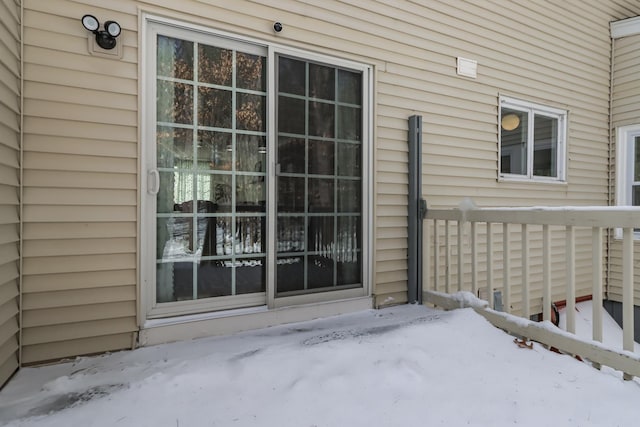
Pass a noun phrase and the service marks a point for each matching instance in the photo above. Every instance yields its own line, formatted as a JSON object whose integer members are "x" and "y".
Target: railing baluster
{"x": 426, "y": 257}
{"x": 474, "y": 259}
{"x": 627, "y": 292}
{"x": 570, "y": 248}
{"x": 436, "y": 256}
{"x": 506, "y": 270}
{"x": 460, "y": 255}
{"x": 526, "y": 306}
{"x": 546, "y": 273}
{"x": 489, "y": 265}
{"x": 596, "y": 292}
{"x": 447, "y": 257}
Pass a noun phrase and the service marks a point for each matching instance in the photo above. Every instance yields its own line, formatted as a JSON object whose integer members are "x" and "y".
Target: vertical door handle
{"x": 153, "y": 182}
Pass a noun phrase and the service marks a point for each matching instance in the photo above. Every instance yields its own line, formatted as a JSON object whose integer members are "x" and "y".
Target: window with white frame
{"x": 532, "y": 141}
{"x": 628, "y": 168}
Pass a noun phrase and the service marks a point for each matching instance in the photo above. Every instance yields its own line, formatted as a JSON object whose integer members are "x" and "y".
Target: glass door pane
{"x": 211, "y": 160}
{"x": 319, "y": 184}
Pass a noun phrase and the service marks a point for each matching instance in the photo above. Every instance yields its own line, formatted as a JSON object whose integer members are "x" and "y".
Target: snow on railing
{"x": 475, "y": 252}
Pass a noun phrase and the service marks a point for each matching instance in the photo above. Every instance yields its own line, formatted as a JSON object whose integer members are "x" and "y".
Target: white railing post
{"x": 506, "y": 270}
{"x": 546, "y": 273}
{"x": 426, "y": 258}
{"x": 474, "y": 259}
{"x": 447, "y": 257}
{"x": 526, "y": 306}
{"x": 596, "y": 291}
{"x": 627, "y": 292}
{"x": 570, "y": 243}
{"x": 489, "y": 265}
{"x": 436, "y": 256}
{"x": 460, "y": 255}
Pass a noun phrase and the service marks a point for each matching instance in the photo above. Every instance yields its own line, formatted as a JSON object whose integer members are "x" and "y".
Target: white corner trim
{"x": 625, "y": 27}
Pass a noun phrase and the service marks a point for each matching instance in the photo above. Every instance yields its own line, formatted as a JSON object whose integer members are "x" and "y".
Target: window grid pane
{"x": 211, "y": 149}
{"x": 319, "y": 155}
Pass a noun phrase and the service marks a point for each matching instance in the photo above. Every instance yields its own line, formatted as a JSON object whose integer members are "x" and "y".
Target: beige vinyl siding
{"x": 625, "y": 111}
{"x": 81, "y": 130}
{"x": 9, "y": 186}
{"x": 80, "y": 183}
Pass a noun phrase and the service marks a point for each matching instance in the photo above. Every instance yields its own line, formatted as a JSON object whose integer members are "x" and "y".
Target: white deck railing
{"x": 445, "y": 260}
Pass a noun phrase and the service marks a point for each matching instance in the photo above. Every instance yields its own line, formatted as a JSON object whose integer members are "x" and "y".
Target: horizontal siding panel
{"x": 76, "y": 263}
{"x": 9, "y": 79}
{"x": 9, "y": 137}
{"x": 46, "y": 127}
{"x": 73, "y": 314}
{"x": 56, "y": 214}
{"x": 80, "y": 113}
{"x": 34, "y": 301}
{"x": 51, "y": 9}
{"x": 9, "y": 195}
{"x": 8, "y": 292}
{"x": 43, "y": 248}
{"x": 8, "y": 254}
{"x": 64, "y": 162}
{"x": 51, "y": 334}
{"x": 8, "y": 333}
{"x": 10, "y": 365}
{"x": 9, "y": 99}
{"x": 69, "y": 179}
{"x": 8, "y": 214}
{"x": 79, "y": 196}
{"x": 8, "y": 311}
{"x": 78, "y": 281}
{"x": 78, "y": 61}
{"x": 58, "y": 350}
{"x": 9, "y": 175}
{"x": 399, "y": 277}
{"x": 83, "y": 230}
{"x": 8, "y": 273}
{"x": 12, "y": 61}
{"x": 389, "y": 266}
{"x": 93, "y": 146}
{"x": 8, "y": 234}
{"x": 64, "y": 77}
{"x": 81, "y": 96}
{"x": 9, "y": 156}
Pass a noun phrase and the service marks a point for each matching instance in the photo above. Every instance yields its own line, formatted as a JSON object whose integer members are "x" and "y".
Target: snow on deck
{"x": 407, "y": 365}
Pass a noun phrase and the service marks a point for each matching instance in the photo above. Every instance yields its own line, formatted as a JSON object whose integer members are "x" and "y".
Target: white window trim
{"x": 625, "y": 150}
{"x": 147, "y": 210}
{"x": 533, "y": 108}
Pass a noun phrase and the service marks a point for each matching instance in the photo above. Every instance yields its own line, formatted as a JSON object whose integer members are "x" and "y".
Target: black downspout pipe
{"x": 417, "y": 211}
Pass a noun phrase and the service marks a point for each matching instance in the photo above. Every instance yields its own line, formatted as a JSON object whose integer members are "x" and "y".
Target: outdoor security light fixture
{"x": 106, "y": 38}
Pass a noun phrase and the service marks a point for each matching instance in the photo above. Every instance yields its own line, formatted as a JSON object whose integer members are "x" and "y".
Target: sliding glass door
{"x": 254, "y": 175}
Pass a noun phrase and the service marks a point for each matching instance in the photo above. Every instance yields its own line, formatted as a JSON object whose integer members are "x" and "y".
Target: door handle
{"x": 153, "y": 182}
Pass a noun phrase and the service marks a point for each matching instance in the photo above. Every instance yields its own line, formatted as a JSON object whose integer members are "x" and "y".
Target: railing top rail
{"x": 580, "y": 216}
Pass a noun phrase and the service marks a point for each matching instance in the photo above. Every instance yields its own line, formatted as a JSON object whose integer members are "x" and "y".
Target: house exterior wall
{"x": 82, "y": 126}
{"x": 9, "y": 185}
{"x": 625, "y": 111}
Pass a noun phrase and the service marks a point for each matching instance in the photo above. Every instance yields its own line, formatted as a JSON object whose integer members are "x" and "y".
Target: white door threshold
{"x": 159, "y": 331}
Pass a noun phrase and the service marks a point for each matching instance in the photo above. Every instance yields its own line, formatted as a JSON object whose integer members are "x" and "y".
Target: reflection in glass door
{"x": 319, "y": 184}
{"x": 211, "y": 162}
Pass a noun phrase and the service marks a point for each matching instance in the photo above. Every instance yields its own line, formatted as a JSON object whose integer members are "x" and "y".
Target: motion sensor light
{"x": 113, "y": 28}
{"x": 90, "y": 22}
{"x": 106, "y": 38}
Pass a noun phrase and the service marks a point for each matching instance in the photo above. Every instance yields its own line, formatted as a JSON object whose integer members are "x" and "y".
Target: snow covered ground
{"x": 404, "y": 366}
